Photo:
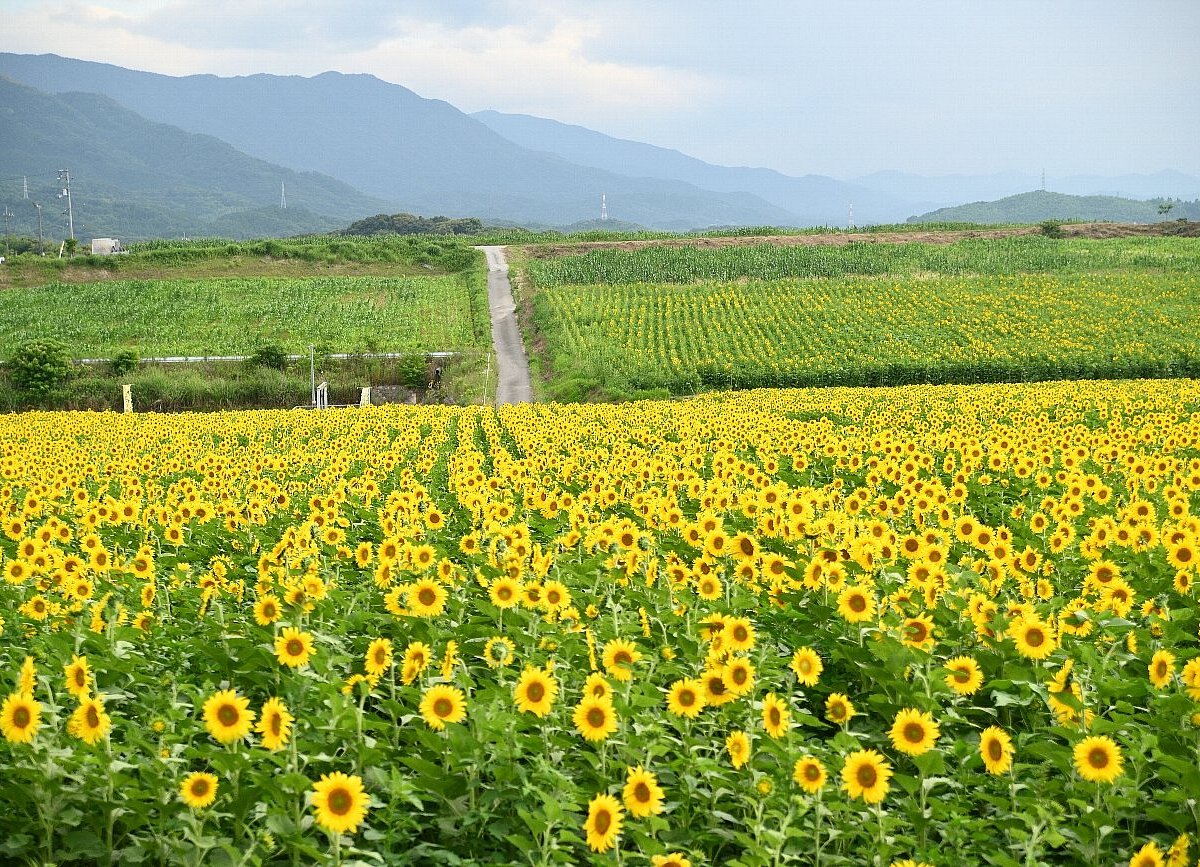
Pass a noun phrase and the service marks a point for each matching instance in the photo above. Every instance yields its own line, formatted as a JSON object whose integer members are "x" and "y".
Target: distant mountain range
{"x": 1038, "y": 206}
{"x": 164, "y": 155}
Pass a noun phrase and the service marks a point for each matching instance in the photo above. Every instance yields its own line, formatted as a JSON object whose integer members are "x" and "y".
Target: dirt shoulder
{"x": 833, "y": 239}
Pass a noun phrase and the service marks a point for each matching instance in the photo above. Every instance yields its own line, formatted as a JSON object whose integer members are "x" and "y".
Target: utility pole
{"x": 41, "y": 247}
{"x": 25, "y": 188}
{"x": 603, "y": 207}
{"x": 64, "y": 178}
{"x": 850, "y": 218}
{"x": 7, "y": 215}
{"x": 282, "y": 197}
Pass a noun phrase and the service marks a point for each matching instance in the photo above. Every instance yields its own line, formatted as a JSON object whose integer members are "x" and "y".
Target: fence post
{"x": 364, "y": 399}
{"x": 127, "y": 397}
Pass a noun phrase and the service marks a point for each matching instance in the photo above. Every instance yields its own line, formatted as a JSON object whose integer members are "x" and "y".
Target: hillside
{"x": 422, "y": 154}
{"x": 132, "y": 178}
{"x": 1033, "y": 207}
{"x": 815, "y": 199}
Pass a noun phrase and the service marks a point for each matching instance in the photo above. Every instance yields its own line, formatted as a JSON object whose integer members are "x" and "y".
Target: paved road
{"x": 513, "y": 384}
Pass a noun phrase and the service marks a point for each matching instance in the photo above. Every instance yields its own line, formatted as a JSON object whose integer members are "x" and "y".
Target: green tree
{"x": 40, "y": 366}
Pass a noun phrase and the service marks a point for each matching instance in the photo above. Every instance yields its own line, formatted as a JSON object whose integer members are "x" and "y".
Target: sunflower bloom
{"x": 227, "y": 716}
{"x": 996, "y": 750}
{"x": 603, "y": 824}
{"x": 20, "y": 718}
{"x": 198, "y": 790}
{"x": 914, "y": 732}
{"x": 442, "y": 704}
{"x": 274, "y": 724}
{"x": 89, "y": 722}
{"x": 595, "y": 718}
{"x": 642, "y": 794}
{"x": 1162, "y": 668}
{"x": 964, "y": 676}
{"x": 807, "y": 665}
{"x": 686, "y": 698}
{"x": 775, "y": 715}
{"x": 738, "y": 746}
{"x": 293, "y": 648}
{"x": 340, "y": 802}
{"x": 535, "y": 692}
{"x": 379, "y": 656}
{"x": 809, "y": 774}
{"x": 865, "y": 775}
{"x": 1098, "y": 759}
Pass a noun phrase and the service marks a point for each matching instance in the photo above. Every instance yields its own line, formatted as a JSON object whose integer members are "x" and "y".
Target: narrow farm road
{"x": 513, "y": 384}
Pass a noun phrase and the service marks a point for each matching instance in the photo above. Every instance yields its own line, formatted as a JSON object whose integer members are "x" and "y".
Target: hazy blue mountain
{"x": 424, "y": 155}
{"x": 1034, "y": 207}
{"x": 947, "y": 190}
{"x": 816, "y": 199}
{"x": 132, "y": 178}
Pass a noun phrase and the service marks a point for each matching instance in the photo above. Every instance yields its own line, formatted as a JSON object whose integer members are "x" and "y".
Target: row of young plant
{"x": 871, "y": 331}
{"x": 956, "y": 626}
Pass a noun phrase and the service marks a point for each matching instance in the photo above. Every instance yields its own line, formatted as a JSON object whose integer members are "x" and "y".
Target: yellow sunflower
{"x": 716, "y": 690}
{"x": 266, "y": 610}
{"x": 595, "y": 718}
{"x": 274, "y": 724}
{"x": 809, "y": 774}
{"x": 739, "y": 634}
{"x": 738, "y": 745}
{"x": 839, "y": 709}
{"x": 505, "y": 592}
{"x": 671, "y": 859}
{"x": 79, "y": 678}
{"x": 917, "y": 632}
{"x": 807, "y": 665}
{"x": 775, "y": 715}
{"x": 856, "y": 604}
{"x": 865, "y": 775}
{"x": 427, "y": 598}
{"x": 227, "y": 716}
{"x": 618, "y": 657}
{"x": 1033, "y": 637}
{"x": 1148, "y": 856}
{"x": 293, "y": 648}
{"x": 89, "y": 722}
{"x": 535, "y": 691}
{"x": 340, "y": 802}
{"x": 603, "y": 824}
{"x": 642, "y": 794}
{"x": 379, "y": 656}
{"x": 1162, "y": 668}
{"x": 964, "y": 676}
{"x": 20, "y": 718}
{"x": 417, "y": 657}
{"x": 499, "y": 651}
{"x": 198, "y": 790}
{"x": 914, "y": 732}
{"x": 739, "y": 676}
{"x": 1098, "y": 759}
{"x": 686, "y": 698}
{"x": 996, "y": 749}
{"x": 442, "y": 704}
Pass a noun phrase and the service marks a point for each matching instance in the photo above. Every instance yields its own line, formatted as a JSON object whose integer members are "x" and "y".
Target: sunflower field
{"x": 755, "y": 333}
{"x": 930, "y": 625}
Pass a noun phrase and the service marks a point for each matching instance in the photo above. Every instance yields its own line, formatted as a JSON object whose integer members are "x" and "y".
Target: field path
{"x": 513, "y": 384}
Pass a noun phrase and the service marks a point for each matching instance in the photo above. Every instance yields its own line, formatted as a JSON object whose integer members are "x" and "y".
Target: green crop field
{"x": 686, "y": 319}
{"x": 233, "y": 316}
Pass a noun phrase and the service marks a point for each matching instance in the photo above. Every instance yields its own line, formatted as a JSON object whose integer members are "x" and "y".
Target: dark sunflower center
{"x": 228, "y": 715}
{"x": 858, "y": 604}
{"x": 276, "y": 724}
{"x": 687, "y": 698}
{"x": 740, "y": 633}
{"x": 914, "y": 732}
{"x": 199, "y": 788}
{"x": 1098, "y": 757}
{"x": 295, "y": 647}
{"x": 995, "y": 750}
{"x": 596, "y": 717}
{"x": 1035, "y": 638}
{"x": 641, "y": 793}
{"x": 812, "y": 773}
{"x": 961, "y": 675}
{"x": 866, "y": 775}
{"x": 340, "y": 802}
{"x": 426, "y": 596}
{"x": 603, "y": 821}
{"x": 92, "y": 717}
{"x": 535, "y": 692}
{"x": 21, "y": 717}
{"x": 443, "y": 707}
{"x": 622, "y": 657}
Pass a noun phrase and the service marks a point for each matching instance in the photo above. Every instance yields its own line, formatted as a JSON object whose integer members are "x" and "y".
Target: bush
{"x": 123, "y": 362}
{"x": 270, "y": 355}
{"x": 39, "y": 367}
{"x": 1051, "y": 228}
{"x": 411, "y": 371}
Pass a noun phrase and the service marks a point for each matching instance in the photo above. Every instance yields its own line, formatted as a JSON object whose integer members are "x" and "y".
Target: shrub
{"x": 411, "y": 371}
{"x": 1051, "y": 228}
{"x": 270, "y": 355}
{"x": 40, "y": 366}
{"x": 123, "y": 362}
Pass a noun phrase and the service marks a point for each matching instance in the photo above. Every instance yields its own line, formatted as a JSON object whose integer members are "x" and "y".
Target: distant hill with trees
{"x": 1040, "y": 205}
{"x": 411, "y": 224}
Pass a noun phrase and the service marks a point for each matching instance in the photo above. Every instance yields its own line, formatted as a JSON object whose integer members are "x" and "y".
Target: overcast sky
{"x": 838, "y": 87}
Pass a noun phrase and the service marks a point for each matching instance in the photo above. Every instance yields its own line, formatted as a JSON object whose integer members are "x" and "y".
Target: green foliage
{"x": 270, "y": 355}
{"x": 1051, "y": 228}
{"x": 1023, "y": 253}
{"x": 226, "y": 316}
{"x": 413, "y": 370}
{"x": 40, "y": 366}
{"x": 411, "y": 224}
{"x": 123, "y": 362}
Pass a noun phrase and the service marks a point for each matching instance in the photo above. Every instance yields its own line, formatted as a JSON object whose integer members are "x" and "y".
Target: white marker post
{"x": 127, "y": 397}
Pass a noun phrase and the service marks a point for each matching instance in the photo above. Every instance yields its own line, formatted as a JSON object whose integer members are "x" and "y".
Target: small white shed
{"x": 106, "y": 246}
